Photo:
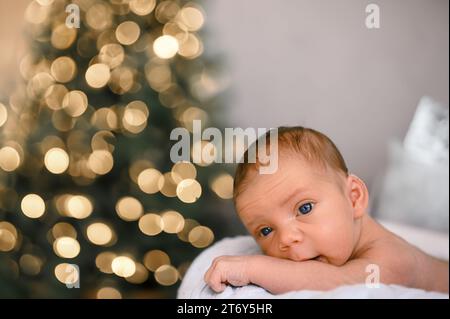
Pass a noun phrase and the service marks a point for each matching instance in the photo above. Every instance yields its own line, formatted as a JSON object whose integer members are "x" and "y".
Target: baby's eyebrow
{"x": 291, "y": 195}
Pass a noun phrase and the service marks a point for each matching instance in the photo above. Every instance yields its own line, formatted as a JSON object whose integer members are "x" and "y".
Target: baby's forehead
{"x": 293, "y": 173}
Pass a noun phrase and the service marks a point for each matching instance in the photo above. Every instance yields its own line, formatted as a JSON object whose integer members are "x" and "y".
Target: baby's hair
{"x": 310, "y": 144}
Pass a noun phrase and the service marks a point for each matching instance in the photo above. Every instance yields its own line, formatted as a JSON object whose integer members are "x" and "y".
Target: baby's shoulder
{"x": 398, "y": 260}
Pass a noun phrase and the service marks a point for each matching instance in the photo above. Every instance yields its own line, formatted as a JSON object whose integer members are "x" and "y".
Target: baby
{"x": 311, "y": 221}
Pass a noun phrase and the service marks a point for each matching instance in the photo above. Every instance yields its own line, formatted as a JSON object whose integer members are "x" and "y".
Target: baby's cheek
{"x": 335, "y": 239}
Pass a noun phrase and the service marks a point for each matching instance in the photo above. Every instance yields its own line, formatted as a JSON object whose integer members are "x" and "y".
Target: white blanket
{"x": 194, "y": 287}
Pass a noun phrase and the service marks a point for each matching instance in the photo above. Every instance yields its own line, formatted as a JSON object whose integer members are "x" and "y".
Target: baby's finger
{"x": 208, "y": 273}
{"x": 215, "y": 281}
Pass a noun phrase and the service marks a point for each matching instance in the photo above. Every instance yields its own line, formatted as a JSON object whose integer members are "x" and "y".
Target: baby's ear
{"x": 358, "y": 195}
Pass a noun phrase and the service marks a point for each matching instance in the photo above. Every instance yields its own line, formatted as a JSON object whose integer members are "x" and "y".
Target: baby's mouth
{"x": 318, "y": 258}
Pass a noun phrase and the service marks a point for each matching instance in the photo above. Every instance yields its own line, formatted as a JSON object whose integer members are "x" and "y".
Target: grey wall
{"x": 314, "y": 63}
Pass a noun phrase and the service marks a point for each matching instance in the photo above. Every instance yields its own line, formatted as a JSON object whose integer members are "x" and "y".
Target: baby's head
{"x": 310, "y": 208}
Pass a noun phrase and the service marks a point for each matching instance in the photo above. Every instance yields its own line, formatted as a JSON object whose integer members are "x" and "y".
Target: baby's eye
{"x": 265, "y": 231}
{"x": 305, "y": 208}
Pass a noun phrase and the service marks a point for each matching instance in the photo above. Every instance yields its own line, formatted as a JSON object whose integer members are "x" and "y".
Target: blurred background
{"x": 88, "y": 194}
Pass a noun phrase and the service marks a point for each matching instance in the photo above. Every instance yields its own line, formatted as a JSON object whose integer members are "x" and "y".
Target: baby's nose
{"x": 288, "y": 237}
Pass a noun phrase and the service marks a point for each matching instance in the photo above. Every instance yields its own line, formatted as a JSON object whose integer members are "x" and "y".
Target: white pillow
{"x": 415, "y": 187}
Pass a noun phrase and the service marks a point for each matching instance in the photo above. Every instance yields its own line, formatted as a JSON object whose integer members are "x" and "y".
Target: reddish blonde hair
{"x": 312, "y": 145}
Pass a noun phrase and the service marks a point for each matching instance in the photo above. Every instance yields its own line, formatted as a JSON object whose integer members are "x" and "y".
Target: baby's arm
{"x": 282, "y": 275}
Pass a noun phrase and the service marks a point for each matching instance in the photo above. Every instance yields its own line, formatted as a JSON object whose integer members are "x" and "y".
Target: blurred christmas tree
{"x": 85, "y": 172}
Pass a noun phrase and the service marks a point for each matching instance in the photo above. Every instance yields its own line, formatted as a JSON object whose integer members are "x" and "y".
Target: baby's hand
{"x": 233, "y": 270}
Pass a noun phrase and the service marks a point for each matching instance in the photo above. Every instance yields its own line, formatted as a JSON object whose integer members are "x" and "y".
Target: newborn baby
{"x": 311, "y": 221}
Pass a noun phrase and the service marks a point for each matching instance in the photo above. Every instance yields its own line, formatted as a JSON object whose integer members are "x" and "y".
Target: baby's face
{"x": 300, "y": 212}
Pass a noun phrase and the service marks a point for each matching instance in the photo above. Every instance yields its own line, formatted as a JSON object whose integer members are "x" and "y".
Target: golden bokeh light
{"x": 30, "y": 264}
{"x": 159, "y": 77}
{"x": 56, "y": 160}
{"x": 36, "y": 13}
{"x": 136, "y": 113}
{"x": 103, "y": 261}
{"x": 222, "y": 185}
{"x": 204, "y": 153}
{"x": 7, "y": 240}
{"x": 183, "y": 170}
{"x": 3, "y": 114}
{"x": 123, "y": 266}
{"x": 63, "y": 37}
{"x": 140, "y": 276}
{"x": 201, "y": 236}
{"x": 167, "y": 185}
{"x": 122, "y": 80}
{"x": 54, "y": 96}
{"x": 166, "y": 11}
{"x": 63, "y": 69}
{"x": 105, "y": 118}
{"x": 102, "y": 140}
{"x": 166, "y": 47}
{"x": 67, "y": 274}
{"x": 9, "y": 227}
{"x": 77, "y": 206}
{"x": 191, "y": 48}
{"x": 111, "y": 54}
{"x": 137, "y": 167}
{"x": 176, "y": 30}
{"x": 155, "y": 259}
{"x": 142, "y": 7}
{"x": 9, "y": 158}
{"x": 108, "y": 293}
{"x": 100, "y": 162}
{"x": 99, "y": 16}
{"x": 33, "y": 206}
{"x": 148, "y": 180}
{"x": 63, "y": 230}
{"x": 166, "y": 275}
{"x": 189, "y": 224}
{"x": 62, "y": 121}
{"x": 98, "y": 75}
{"x": 129, "y": 208}
{"x": 75, "y": 103}
{"x": 151, "y": 224}
{"x": 173, "y": 222}
{"x": 39, "y": 84}
{"x": 189, "y": 190}
{"x": 99, "y": 234}
{"x": 66, "y": 247}
{"x": 128, "y": 32}
{"x": 192, "y": 18}
{"x": 190, "y": 114}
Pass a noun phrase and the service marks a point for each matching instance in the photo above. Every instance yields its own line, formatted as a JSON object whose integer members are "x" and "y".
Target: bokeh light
{"x": 166, "y": 275}
{"x": 129, "y": 208}
{"x": 66, "y": 247}
{"x": 156, "y": 258}
{"x": 201, "y": 236}
{"x": 99, "y": 234}
{"x": 33, "y": 206}
{"x": 56, "y": 160}
{"x": 166, "y": 47}
{"x": 151, "y": 224}
{"x": 123, "y": 266}
{"x": 173, "y": 222}
{"x": 222, "y": 185}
